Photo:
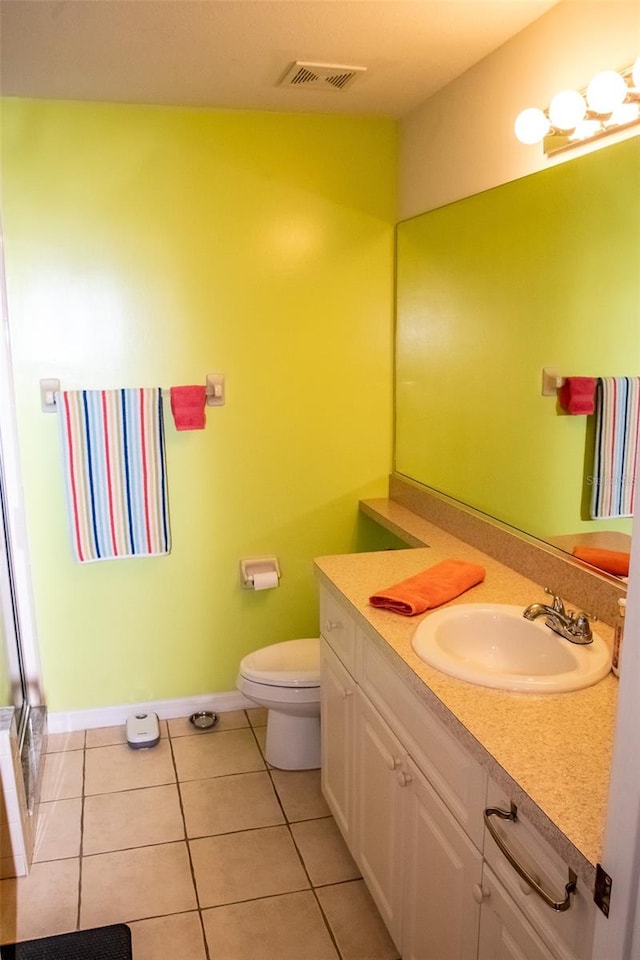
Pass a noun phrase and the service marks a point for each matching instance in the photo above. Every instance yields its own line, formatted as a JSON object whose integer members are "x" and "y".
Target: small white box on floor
{"x": 143, "y": 730}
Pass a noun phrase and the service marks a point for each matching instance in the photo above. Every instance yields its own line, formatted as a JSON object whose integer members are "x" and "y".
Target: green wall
{"x": 542, "y": 271}
{"x": 149, "y": 246}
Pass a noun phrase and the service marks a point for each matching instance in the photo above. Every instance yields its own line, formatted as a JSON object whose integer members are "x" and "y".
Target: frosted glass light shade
{"x": 531, "y": 126}
{"x": 586, "y": 129}
{"x": 625, "y": 113}
{"x": 606, "y": 91}
{"x": 567, "y": 109}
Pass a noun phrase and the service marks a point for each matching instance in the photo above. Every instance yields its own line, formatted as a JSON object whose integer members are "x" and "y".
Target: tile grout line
{"x": 81, "y": 851}
{"x": 299, "y": 854}
{"x": 188, "y": 846}
{"x": 287, "y": 823}
{"x": 275, "y": 775}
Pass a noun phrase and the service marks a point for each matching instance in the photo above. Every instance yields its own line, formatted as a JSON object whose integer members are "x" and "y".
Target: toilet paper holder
{"x": 257, "y": 573}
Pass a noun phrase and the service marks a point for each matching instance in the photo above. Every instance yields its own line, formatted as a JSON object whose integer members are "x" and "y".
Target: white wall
{"x": 461, "y": 141}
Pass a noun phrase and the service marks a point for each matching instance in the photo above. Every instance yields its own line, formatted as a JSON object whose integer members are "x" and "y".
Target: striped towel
{"x": 616, "y": 447}
{"x": 115, "y": 470}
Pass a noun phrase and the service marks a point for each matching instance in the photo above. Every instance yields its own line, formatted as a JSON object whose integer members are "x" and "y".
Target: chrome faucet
{"x": 573, "y": 626}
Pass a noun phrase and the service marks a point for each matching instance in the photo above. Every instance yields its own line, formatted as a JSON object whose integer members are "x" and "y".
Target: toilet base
{"x": 293, "y": 742}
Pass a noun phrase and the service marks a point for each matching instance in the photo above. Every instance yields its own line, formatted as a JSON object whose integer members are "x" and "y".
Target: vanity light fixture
{"x": 610, "y": 102}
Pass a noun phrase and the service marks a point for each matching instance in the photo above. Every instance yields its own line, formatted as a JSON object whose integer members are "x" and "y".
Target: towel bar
{"x": 214, "y": 390}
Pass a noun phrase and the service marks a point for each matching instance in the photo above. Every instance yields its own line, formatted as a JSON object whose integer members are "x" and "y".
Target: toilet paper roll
{"x": 266, "y": 580}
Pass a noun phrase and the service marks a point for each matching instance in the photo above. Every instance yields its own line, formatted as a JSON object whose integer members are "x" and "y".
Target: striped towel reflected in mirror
{"x": 616, "y": 447}
{"x": 113, "y": 451}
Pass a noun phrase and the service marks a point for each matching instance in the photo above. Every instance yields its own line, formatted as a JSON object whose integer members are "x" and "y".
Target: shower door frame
{"x": 16, "y": 595}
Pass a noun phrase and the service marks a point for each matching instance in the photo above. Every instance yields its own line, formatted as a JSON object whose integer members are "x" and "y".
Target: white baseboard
{"x": 66, "y": 722}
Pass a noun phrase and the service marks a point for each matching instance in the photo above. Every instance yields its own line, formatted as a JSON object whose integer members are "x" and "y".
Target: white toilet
{"x": 285, "y": 678}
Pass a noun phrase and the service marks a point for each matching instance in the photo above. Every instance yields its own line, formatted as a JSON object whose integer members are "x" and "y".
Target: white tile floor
{"x": 205, "y": 851}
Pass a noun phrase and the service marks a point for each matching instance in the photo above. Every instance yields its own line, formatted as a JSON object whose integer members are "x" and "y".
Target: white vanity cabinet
{"x": 380, "y": 781}
{"x": 442, "y": 871}
{"x": 381, "y": 752}
{"x": 568, "y": 935}
{"x": 338, "y": 740}
{"x": 337, "y": 669}
{"x": 419, "y": 865}
{"x": 504, "y": 933}
{"x": 409, "y": 800}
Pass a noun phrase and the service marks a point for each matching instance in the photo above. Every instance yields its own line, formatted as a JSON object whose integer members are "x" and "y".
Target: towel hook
{"x": 551, "y": 381}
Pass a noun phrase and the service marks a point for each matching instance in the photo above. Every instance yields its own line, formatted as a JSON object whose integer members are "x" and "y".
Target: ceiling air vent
{"x": 320, "y": 75}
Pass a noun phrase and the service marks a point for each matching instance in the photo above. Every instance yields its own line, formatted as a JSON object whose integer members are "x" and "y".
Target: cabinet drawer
{"x": 457, "y": 777}
{"x": 337, "y": 628}
{"x": 569, "y": 934}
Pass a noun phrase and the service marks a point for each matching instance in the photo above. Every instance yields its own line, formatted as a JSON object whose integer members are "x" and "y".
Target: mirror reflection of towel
{"x": 612, "y": 561}
{"x": 616, "y": 447}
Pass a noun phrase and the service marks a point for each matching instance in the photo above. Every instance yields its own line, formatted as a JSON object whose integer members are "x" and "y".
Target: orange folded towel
{"x": 432, "y": 587}
{"x": 612, "y": 561}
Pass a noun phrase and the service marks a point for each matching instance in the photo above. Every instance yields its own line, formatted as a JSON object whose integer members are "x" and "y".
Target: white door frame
{"x": 618, "y": 937}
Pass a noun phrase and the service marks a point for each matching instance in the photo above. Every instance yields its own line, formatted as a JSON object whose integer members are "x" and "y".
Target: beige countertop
{"x": 550, "y": 752}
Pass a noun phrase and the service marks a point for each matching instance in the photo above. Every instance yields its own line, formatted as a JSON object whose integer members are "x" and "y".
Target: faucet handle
{"x": 557, "y": 603}
{"x": 580, "y": 626}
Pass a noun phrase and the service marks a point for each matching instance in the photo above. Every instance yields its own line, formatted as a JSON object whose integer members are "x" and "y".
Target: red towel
{"x": 187, "y": 407}
{"x": 430, "y": 588}
{"x": 577, "y": 395}
{"x": 613, "y": 561}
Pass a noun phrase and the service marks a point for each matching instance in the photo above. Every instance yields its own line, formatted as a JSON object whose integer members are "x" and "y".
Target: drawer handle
{"x": 559, "y": 905}
{"x": 347, "y": 692}
{"x": 332, "y": 625}
{"x": 404, "y": 779}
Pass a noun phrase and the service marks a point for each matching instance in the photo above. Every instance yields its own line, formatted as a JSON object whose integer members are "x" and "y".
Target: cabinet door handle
{"x": 331, "y": 625}
{"x": 404, "y": 779}
{"x": 559, "y": 905}
{"x": 347, "y": 693}
{"x": 479, "y": 893}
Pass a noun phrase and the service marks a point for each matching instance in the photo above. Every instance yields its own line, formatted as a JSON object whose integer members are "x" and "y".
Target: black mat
{"x": 101, "y": 943}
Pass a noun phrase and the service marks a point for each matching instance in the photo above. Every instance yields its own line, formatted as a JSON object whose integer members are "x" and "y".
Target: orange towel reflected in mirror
{"x": 611, "y": 561}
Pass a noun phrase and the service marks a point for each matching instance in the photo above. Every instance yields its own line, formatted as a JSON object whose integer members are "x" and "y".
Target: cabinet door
{"x": 379, "y": 795}
{"x": 337, "y": 725}
{"x": 505, "y": 933}
{"x": 443, "y": 870}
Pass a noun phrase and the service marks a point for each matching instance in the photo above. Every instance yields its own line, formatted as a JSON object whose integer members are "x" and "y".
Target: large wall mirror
{"x": 540, "y": 272}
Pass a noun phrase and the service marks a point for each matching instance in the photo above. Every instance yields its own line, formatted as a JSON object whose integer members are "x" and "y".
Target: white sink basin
{"x": 491, "y": 644}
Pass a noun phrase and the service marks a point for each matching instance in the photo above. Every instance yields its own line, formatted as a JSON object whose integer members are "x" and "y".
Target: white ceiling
{"x": 231, "y": 54}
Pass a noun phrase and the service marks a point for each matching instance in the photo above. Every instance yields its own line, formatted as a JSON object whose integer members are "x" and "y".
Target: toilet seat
{"x": 292, "y": 663}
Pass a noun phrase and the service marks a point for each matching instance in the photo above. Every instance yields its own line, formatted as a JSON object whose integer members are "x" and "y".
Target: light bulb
{"x": 606, "y": 91}
{"x": 625, "y": 113}
{"x": 635, "y": 74}
{"x": 586, "y": 129}
{"x": 531, "y": 126}
{"x": 567, "y": 109}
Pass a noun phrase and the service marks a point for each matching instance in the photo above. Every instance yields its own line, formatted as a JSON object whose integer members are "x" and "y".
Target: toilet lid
{"x": 293, "y": 663}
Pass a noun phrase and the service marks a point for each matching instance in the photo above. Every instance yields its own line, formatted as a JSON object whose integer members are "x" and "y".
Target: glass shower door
{"x": 13, "y": 692}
